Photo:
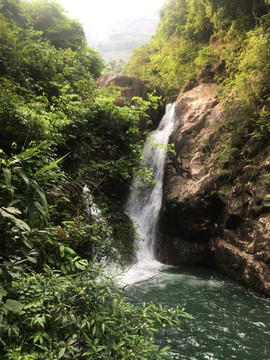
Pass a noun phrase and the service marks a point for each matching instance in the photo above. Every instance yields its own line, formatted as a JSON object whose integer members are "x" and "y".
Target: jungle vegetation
{"x": 59, "y": 133}
{"x": 222, "y": 42}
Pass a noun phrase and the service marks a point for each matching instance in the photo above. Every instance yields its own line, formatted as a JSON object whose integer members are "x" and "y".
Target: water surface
{"x": 230, "y": 321}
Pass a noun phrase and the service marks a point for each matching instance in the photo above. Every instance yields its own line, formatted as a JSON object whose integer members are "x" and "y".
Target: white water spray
{"x": 145, "y": 214}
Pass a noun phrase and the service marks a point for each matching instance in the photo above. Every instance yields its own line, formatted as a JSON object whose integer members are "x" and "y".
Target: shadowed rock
{"x": 133, "y": 87}
{"x": 200, "y": 225}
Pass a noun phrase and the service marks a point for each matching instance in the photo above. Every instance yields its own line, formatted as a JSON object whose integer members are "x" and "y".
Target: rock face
{"x": 134, "y": 87}
{"x": 199, "y": 224}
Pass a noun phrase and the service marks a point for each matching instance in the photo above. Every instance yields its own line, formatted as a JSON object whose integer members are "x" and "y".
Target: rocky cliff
{"x": 133, "y": 87}
{"x": 205, "y": 221}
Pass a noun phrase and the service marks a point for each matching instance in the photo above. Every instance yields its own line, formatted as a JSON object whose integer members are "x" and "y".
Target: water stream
{"x": 230, "y": 322}
{"x": 145, "y": 214}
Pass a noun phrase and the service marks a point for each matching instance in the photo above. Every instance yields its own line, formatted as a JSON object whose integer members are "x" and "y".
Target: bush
{"x": 80, "y": 316}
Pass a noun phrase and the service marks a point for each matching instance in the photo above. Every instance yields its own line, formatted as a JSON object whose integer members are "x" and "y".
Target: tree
{"x": 190, "y": 30}
{"x": 55, "y": 300}
{"x": 48, "y": 17}
{"x": 13, "y": 11}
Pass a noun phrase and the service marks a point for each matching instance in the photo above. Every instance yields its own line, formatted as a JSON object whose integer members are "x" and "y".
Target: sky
{"x": 96, "y": 15}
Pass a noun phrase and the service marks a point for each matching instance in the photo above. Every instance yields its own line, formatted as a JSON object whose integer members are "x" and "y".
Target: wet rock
{"x": 201, "y": 225}
{"x": 182, "y": 252}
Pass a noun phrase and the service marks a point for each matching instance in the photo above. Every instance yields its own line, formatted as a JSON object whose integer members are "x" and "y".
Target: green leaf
{"x": 63, "y": 268}
{"x": 79, "y": 266}
{"x": 166, "y": 348}
{"x": 7, "y": 174}
{"x": 30, "y": 205}
{"x": 23, "y": 175}
{"x": 87, "y": 338}
{"x": 13, "y": 202}
{"x": 2, "y": 291}
{"x": 40, "y": 208}
{"x": 13, "y": 305}
{"x": 41, "y": 193}
{"x": 32, "y": 259}
{"x": 37, "y": 338}
{"x": 69, "y": 250}
{"x": 48, "y": 167}
{"x": 22, "y": 225}
{"x": 48, "y": 177}
{"x": 5, "y": 214}
{"x": 30, "y": 152}
{"x": 61, "y": 353}
{"x": 19, "y": 223}
{"x": 27, "y": 242}
{"x": 12, "y": 210}
{"x": 13, "y": 273}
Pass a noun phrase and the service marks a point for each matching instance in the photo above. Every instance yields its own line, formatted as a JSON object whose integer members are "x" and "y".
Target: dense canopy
{"x": 60, "y": 133}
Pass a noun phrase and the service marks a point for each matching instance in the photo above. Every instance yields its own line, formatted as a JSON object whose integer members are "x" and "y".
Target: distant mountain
{"x": 123, "y": 36}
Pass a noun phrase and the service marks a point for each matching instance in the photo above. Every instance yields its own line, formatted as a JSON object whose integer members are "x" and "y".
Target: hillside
{"x": 205, "y": 41}
{"x": 59, "y": 134}
{"x": 212, "y": 57}
{"x": 123, "y": 36}
{"x": 199, "y": 42}
{"x": 68, "y": 148}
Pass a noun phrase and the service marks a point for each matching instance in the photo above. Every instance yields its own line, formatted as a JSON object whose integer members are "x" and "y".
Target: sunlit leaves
{"x": 49, "y": 107}
{"x": 59, "y": 313}
{"x": 193, "y": 35}
{"x": 10, "y": 214}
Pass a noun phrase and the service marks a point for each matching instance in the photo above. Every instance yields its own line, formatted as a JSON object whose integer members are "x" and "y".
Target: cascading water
{"x": 145, "y": 214}
{"x": 230, "y": 322}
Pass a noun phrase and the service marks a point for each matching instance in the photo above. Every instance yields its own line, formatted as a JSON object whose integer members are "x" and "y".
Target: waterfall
{"x": 145, "y": 214}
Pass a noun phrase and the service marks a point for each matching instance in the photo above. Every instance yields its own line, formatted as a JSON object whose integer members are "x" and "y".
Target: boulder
{"x": 199, "y": 223}
{"x": 133, "y": 87}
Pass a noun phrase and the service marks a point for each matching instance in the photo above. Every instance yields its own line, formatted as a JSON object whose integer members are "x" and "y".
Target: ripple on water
{"x": 230, "y": 322}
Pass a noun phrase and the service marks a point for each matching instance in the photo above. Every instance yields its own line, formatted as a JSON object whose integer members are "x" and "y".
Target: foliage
{"x": 246, "y": 132}
{"x": 60, "y": 133}
{"x": 49, "y": 94}
{"x": 192, "y": 35}
{"x": 27, "y": 181}
{"x": 74, "y": 310}
{"x": 108, "y": 155}
{"x": 226, "y": 42}
{"x": 48, "y": 18}
{"x": 38, "y": 66}
{"x": 139, "y": 64}
{"x": 80, "y": 316}
{"x": 114, "y": 67}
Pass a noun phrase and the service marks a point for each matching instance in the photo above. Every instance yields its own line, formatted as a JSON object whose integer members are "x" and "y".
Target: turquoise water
{"x": 230, "y": 321}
